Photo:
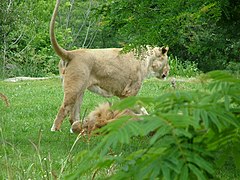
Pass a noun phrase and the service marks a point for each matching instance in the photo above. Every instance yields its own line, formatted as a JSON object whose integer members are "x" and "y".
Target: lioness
{"x": 108, "y": 72}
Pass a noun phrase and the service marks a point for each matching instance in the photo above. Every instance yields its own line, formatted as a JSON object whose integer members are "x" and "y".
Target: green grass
{"x": 29, "y": 150}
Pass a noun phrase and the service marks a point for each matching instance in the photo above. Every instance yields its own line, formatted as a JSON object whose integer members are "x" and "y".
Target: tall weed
{"x": 183, "y": 69}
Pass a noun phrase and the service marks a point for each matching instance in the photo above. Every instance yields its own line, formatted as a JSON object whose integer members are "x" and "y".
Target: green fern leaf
{"x": 161, "y": 131}
{"x": 199, "y": 174}
{"x": 200, "y": 162}
{"x": 236, "y": 154}
{"x": 184, "y": 173}
{"x": 166, "y": 173}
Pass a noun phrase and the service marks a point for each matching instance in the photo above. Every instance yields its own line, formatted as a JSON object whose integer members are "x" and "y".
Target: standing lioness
{"x": 107, "y": 72}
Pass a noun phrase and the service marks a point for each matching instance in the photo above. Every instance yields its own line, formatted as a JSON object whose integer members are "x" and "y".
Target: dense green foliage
{"x": 25, "y": 44}
{"x": 185, "y": 129}
{"x": 203, "y": 32}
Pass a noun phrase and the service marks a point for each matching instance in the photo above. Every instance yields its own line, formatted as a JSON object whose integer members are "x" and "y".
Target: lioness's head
{"x": 160, "y": 65}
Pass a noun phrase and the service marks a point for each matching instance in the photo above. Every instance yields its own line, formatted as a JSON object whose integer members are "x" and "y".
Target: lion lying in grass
{"x": 101, "y": 116}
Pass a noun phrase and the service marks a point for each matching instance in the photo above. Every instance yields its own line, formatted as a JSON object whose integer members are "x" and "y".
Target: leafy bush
{"x": 24, "y": 37}
{"x": 234, "y": 68}
{"x": 204, "y": 31}
{"x": 184, "y": 131}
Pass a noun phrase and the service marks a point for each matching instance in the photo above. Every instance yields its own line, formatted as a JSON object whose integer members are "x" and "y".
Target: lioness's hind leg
{"x": 75, "y": 113}
{"x": 66, "y": 107}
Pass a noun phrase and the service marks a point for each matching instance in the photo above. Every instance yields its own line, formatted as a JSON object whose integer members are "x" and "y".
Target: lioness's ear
{"x": 165, "y": 50}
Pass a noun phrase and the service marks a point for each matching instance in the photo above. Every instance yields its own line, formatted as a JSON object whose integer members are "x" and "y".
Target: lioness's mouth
{"x": 161, "y": 76}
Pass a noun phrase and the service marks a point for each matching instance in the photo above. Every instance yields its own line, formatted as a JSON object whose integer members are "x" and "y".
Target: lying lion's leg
{"x": 102, "y": 123}
{"x": 139, "y": 110}
{"x": 143, "y": 111}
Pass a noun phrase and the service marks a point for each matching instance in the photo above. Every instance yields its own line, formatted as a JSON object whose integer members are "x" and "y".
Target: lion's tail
{"x": 64, "y": 54}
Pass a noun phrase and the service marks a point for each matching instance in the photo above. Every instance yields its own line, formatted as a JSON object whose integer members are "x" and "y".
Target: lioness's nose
{"x": 163, "y": 75}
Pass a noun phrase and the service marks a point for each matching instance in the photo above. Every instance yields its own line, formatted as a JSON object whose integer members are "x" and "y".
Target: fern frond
{"x": 183, "y": 129}
{"x": 229, "y": 135}
{"x": 119, "y": 131}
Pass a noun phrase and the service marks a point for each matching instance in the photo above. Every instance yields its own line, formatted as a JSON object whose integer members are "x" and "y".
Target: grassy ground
{"x": 29, "y": 150}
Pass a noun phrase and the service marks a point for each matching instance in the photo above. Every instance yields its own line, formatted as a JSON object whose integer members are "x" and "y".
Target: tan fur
{"x": 101, "y": 116}
{"x": 107, "y": 72}
{"x": 5, "y": 99}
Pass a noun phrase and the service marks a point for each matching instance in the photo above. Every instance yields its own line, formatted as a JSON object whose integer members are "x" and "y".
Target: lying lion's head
{"x": 160, "y": 65}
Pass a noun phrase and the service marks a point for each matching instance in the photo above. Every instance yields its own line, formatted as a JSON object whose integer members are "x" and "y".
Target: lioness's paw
{"x": 53, "y": 128}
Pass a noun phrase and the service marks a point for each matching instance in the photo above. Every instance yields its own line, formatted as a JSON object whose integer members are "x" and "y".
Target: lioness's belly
{"x": 129, "y": 90}
{"x": 96, "y": 89}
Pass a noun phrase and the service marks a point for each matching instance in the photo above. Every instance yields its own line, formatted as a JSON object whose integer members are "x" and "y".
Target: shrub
{"x": 187, "y": 127}
{"x": 234, "y": 68}
{"x": 180, "y": 68}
